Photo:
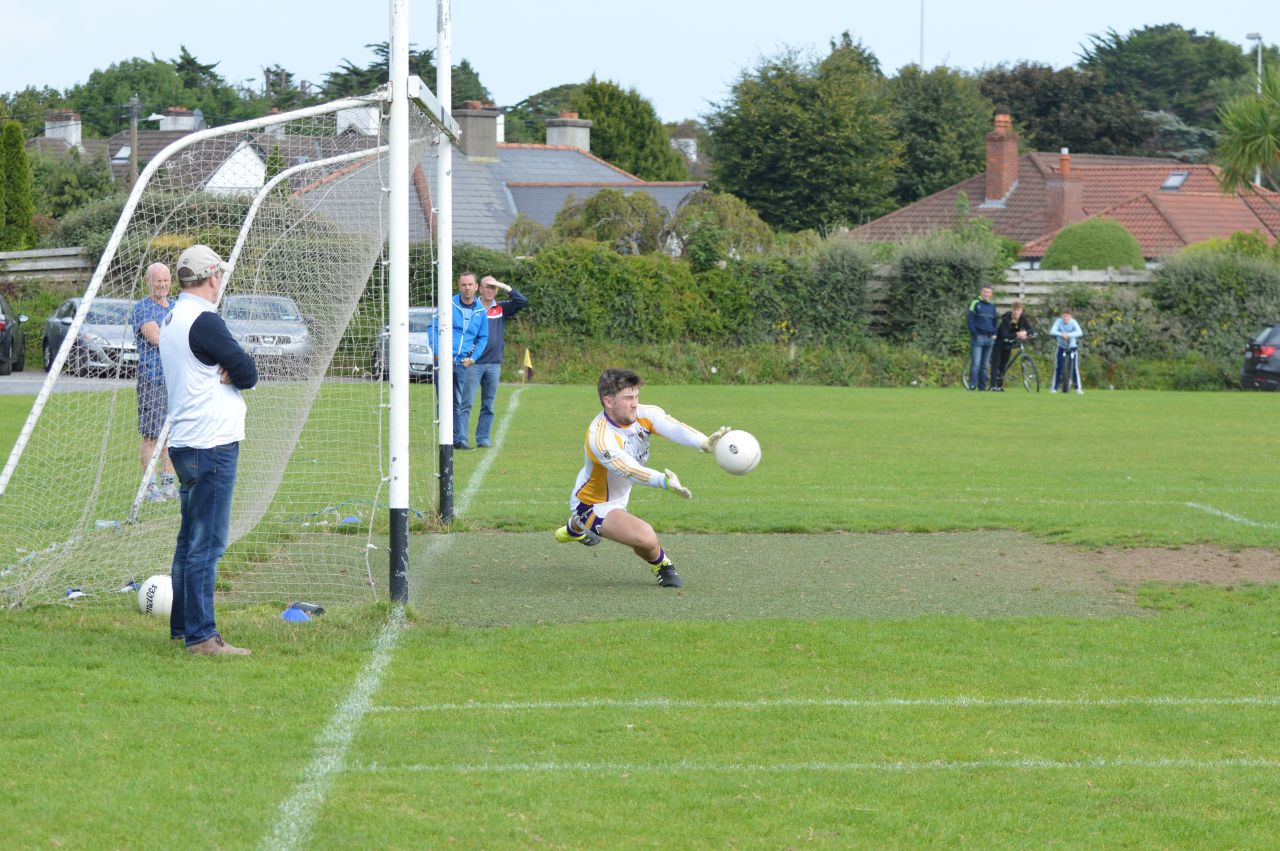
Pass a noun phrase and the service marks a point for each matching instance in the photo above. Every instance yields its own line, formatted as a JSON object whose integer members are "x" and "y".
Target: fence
{"x": 1030, "y": 286}
{"x": 60, "y": 265}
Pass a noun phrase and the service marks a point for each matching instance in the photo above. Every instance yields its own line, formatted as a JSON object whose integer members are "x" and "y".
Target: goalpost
{"x": 319, "y": 273}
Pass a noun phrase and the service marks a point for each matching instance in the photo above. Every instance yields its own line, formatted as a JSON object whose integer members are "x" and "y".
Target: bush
{"x": 937, "y": 277}
{"x": 1220, "y": 298}
{"x": 1094, "y": 244}
{"x": 1119, "y": 324}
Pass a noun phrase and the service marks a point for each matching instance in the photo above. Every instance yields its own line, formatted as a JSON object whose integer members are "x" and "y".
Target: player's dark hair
{"x": 612, "y": 381}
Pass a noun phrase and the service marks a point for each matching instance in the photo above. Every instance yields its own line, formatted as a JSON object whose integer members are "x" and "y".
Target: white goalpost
{"x": 311, "y": 208}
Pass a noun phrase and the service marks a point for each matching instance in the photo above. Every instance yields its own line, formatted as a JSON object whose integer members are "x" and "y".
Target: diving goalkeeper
{"x": 617, "y": 447}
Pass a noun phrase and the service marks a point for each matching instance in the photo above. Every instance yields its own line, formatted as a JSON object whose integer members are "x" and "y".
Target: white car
{"x": 422, "y": 366}
{"x": 272, "y": 330}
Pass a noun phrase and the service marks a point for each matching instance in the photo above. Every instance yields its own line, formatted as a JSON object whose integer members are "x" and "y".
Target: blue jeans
{"x": 207, "y": 478}
{"x": 485, "y": 376}
{"x": 979, "y": 355}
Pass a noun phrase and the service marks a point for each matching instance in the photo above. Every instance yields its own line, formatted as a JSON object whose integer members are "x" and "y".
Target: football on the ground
{"x": 155, "y": 596}
{"x": 738, "y": 452}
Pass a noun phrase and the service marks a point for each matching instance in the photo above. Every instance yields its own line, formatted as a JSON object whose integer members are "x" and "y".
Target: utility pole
{"x": 134, "y": 103}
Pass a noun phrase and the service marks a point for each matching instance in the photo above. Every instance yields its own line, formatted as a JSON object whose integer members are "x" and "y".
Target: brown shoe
{"x": 215, "y": 646}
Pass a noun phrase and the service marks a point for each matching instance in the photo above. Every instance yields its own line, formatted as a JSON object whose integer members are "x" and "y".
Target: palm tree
{"x": 1250, "y": 137}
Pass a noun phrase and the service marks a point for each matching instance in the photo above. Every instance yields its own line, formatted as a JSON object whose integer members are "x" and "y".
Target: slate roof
{"x": 488, "y": 193}
{"x": 1126, "y": 188}
{"x": 89, "y": 148}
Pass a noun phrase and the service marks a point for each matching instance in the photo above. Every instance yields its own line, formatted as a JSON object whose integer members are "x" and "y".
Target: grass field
{"x": 928, "y": 618}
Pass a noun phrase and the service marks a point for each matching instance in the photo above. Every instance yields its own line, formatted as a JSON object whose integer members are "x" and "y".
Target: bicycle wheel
{"x": 964, "y": 378}
{"x": 1030, "y": 378}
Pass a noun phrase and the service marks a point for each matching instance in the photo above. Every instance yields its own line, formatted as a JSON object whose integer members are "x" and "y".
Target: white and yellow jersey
{"x": 616, "y": 455}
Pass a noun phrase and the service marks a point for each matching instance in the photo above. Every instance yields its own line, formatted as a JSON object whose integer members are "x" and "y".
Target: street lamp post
{"x": 1257, "y": 172}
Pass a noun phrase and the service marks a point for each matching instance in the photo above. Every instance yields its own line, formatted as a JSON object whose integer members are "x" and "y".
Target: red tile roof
{"x": 1126, "y": 188}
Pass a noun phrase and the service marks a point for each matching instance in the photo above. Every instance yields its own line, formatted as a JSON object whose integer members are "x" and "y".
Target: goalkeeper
{"x": 617, "y": 447}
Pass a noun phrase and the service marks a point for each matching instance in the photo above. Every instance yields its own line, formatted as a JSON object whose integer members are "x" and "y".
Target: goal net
{"x": 297, "y": 204}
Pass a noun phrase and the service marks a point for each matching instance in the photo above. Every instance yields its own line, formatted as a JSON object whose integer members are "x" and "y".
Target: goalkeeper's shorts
{"x": 591, "y": 516}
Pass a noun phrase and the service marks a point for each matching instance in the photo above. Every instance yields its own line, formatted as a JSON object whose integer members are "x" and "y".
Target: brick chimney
{"x": 479, "y": 125}
{"x": 569, "y": 130}
{"x": 63, "y": 125}
{"x": 1002, "y": 161}
{"x": 1064, "y": 196}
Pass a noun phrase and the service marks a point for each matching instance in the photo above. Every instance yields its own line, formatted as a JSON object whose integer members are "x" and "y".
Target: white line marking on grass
{"x": 1234, "y": 518}
{"x": 293, "y": 826}
{"x": 835, "y": 702}
{"x": 1030, "y": 764}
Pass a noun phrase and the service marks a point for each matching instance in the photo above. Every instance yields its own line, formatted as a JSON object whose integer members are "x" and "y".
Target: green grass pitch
{"x": 905, "y": 629}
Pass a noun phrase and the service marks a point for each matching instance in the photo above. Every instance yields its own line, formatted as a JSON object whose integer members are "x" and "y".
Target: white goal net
{"x": 297, "y": 204}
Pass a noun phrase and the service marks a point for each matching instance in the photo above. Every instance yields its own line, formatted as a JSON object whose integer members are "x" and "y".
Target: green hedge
{"x": 1094, "y": 244}
{"x": 1219, "y": 298}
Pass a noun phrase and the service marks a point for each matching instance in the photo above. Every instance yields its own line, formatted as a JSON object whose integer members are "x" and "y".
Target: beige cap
{"x": 199, "y": 262}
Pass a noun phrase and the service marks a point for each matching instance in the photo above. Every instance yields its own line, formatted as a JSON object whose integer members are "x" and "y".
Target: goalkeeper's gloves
{"x": 709, "y": 445}
{"x": 671, "y": 483}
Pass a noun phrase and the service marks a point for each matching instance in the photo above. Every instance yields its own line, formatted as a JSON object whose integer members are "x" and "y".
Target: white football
{"x": 155, "y": 596}
{"x": 738, "y": 452}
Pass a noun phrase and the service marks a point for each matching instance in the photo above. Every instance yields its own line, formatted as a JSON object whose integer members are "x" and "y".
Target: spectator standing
{"x": 487, "y": 369}
{"x": 1015, "y": 327}
{"x": 1066, "y": 330}
{"x": 205, "y": 371}
{"x": 470, "y": 336}
{"x": 982, "y": 337}
{"x": 153, "y": 403}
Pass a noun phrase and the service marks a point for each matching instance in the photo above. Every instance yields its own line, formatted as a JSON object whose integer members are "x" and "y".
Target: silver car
{"x": 422, "y": 366}
{"x": 272, "y": 330}
{"x": 104, "y": 345}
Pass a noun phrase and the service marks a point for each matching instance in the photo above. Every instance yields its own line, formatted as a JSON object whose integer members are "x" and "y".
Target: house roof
{"x": 1126, "y": 188}
{"x": 89, "y": 148}
{"x": 150, "y": 143}
{"x": 1164, "y": 222}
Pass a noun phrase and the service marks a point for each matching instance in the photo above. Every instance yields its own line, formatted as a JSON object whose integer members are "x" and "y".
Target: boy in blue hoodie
{"x": 1066, "y": 331}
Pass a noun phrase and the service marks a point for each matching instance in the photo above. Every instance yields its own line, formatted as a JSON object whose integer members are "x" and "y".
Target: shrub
{"x": 1093, "y": 244}
{"x": 1219, "y": 297}
{"x": 1119, "y": 324}
{"x": 937, "y": 276}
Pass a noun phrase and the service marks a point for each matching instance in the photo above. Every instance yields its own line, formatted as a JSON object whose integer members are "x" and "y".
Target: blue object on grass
{"x": 295, "y": 615}
{"x": 350, "y": 518}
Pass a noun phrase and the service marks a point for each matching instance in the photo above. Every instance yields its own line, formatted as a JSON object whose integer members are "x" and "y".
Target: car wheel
{"x": 20, "y": 362}
{"x": 5, "y": 367}
{"x": 47, "y": 355}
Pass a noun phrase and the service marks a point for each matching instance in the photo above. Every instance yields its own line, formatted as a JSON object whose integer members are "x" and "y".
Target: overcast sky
{"x": 683, "y": 56}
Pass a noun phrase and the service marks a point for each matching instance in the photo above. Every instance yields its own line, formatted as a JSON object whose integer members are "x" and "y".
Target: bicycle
{"x": 1027, "y": 366}
{"x": 1071, "y": 372}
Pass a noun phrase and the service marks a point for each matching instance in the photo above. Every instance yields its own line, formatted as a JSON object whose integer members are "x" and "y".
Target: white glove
{"x": 672, "y": 484}
{"x": 709, "y": 445}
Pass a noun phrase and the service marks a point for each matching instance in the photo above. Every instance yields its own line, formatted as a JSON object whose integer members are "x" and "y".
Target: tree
{"x": 16, "y": 231}
{"x": 942, "y": 119}
{"x": 61, "y": 184}
{"x": 630, "y": 224}
{"x": 1165, "y": 67}
{"x": 351, "y": 79}
{"x": 1066, "y": 109}
{"x": 527, "y": 120}
{"x": 1250, "y": 137}
{"x": 102, "y": 101}
{"x": 626, "y": 131}
{"x": 276, "y": 164}
{"x": 808, "y": 144}
{"x": 29, "y": 107}
{"x": 716, "y": 226}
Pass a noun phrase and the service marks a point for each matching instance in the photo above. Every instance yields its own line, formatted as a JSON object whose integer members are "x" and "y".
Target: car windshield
{"x": 1268, "y": 336}
{"x": 108, "y": 314}
{"x": 249, "y": 309}
{"x": 419, "y": 322}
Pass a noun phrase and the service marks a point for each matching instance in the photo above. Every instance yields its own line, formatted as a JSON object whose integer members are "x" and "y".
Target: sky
{"x": 682, "y": 56}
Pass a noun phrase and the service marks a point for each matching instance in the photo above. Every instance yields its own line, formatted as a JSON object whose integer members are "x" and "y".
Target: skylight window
{"x": 1174, "y": 181}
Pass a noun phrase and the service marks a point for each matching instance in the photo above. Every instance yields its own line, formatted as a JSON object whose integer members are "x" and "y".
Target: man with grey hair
{"x": 206, "y": 370}
{"x": 148, "y": 314}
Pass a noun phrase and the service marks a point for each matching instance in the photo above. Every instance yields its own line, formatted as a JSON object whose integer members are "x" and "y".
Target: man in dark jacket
{"x": 1015, "y": 326}
{"x": 486, "y": 372}
{"x": 982, "y": 337}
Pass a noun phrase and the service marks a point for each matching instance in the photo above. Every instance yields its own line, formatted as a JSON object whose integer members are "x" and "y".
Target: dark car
{"x": 103, "y": 346}
{"x": 421, "y": 359}
{"x": 1261, "y": 369}
{"x": 13, "y": 343}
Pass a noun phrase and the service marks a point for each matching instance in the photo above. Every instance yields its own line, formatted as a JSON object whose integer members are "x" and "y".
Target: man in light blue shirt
{"x": 1066, "y": 330}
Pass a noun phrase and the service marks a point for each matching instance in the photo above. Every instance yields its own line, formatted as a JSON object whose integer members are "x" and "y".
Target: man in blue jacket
{"x": 486, "y": 372}
{"x": 470, "y": 337}
{"x": 982, "y": 337}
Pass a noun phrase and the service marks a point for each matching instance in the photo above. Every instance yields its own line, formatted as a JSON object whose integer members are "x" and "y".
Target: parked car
{"x": 1261, "y": 368}
{"x": 272, "y": 330}
{"x": 104, "y": 345}
{"x": 422, "y": 365}
{"x": 13, "y": 342}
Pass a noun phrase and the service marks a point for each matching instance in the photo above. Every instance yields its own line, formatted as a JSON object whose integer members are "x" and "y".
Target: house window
{"x": 121, "y": 155}
{"x": 1174, "y": 181}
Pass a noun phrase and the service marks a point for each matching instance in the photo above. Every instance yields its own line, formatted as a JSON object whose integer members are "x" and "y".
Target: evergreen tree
{"x": 16, "y": 230}
{"x": 626, "y": 131}
{"x": 942, "y": 120}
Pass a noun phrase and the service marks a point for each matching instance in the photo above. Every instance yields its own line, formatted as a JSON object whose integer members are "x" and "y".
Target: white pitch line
{"x": 1234, "y": 518}
{"x": 833, "y": 702}
{"x": 292, "y": 828}
{"x": 668, "y": 768}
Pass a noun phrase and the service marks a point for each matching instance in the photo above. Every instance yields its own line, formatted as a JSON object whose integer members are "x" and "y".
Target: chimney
{"x": 570, "y": 131}
{"x": 479, "y": 125}
{"x": 1002, "y": 161}
{"x": 1064, "y": 196}
{"x": 177, "y": 118}
{"x": 63, "y": 125}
